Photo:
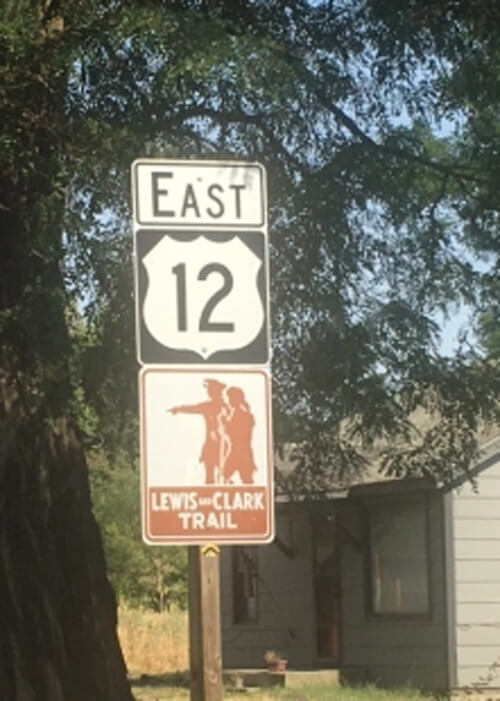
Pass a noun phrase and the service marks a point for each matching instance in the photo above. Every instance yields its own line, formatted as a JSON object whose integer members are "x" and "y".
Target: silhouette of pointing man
{"x": 212, "y": 410}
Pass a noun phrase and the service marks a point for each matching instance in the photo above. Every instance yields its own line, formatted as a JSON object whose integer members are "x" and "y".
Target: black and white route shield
{"x": 202, "y": 297}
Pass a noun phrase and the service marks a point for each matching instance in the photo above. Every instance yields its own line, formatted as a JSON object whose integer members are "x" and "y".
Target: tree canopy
{"x": 378, "y": 144}
{"x": 378, "y": 123}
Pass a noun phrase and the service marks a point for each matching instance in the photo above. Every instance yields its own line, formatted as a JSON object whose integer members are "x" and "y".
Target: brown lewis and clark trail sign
{"x": 202, "y": 321}
{"x": 206, "y": 452}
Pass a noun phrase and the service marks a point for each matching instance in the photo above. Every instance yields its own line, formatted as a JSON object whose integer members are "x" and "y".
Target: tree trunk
{"x": 58, "y": 637}
{"x": 58, "y": 626}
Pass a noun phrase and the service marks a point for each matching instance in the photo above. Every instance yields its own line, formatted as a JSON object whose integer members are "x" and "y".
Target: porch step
{"x": 292, "y": 678}
{"x": 308, "y": 677}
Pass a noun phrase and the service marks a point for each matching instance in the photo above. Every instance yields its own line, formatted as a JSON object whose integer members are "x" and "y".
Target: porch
{"x": 293, "y": 678}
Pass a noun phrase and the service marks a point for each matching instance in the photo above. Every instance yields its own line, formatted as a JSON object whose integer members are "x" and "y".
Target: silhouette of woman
{"x": 238, "y": 425}
{"x": 212, "y": 411}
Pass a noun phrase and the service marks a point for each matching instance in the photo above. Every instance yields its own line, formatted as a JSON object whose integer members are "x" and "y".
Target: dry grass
{"x": 175, "y": 694}
{"x": 153, "y": 643}
{"x": 318, "y": 693}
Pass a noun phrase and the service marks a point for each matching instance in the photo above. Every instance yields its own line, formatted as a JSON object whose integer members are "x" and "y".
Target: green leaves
{"x": 141, "y": 575}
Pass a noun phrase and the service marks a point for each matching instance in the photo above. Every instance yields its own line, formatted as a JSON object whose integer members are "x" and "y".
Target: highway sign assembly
{"x": 202, "y": 334}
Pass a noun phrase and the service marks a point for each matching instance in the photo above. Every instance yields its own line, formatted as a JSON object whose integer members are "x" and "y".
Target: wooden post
{"x": 205, "y": 653}
{"x": 195, "y": 626}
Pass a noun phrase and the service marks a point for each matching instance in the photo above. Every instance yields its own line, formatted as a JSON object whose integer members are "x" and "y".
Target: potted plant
{"x": 275, "y": 661}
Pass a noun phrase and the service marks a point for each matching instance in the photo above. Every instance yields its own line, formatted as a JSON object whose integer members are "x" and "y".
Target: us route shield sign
{"x": 201, "y": 262}
{"x": 206, "y": 456}
{"x": 202, "y": 297}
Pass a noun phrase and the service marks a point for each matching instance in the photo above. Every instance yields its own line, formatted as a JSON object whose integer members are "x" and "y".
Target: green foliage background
{"x": 141, "y": 575}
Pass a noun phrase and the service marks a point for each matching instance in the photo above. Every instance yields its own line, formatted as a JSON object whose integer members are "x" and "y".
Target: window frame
{"x": 335, "y": 530}
{"x": 252, "y": 550}
{"x": 370, "y": 508}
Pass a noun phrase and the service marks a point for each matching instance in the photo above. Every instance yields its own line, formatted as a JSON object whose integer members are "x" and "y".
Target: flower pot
{"x": 277, "y": 666}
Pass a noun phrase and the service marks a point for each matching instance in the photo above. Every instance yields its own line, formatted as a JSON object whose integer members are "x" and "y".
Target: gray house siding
{"x": 285, "y": 601}
{"x": 384, "y": 649}
{"x": 476, "y": 548}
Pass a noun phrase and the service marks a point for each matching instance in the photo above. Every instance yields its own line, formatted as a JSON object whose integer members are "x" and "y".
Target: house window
{"x": 398, "y": 558}
{"x": 245, "y": 580}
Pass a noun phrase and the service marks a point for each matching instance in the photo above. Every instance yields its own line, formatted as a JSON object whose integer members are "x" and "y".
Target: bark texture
{"x": 58, "y": 637}
{"x": 58, "y": 616}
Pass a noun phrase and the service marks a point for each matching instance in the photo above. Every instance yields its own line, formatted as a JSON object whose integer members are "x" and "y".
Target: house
{"x": 394, "y": 582}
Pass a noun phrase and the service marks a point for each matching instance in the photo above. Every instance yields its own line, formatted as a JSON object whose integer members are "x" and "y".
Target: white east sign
{"x": 190, "y": 194}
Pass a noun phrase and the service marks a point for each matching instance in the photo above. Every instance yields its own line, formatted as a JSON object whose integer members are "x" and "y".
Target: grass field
{"x": 145, "y": 692}
{"x": 155, "y": 647}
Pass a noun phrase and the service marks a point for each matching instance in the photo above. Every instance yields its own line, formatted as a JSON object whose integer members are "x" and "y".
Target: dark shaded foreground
{"x": 58, "y": 637}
